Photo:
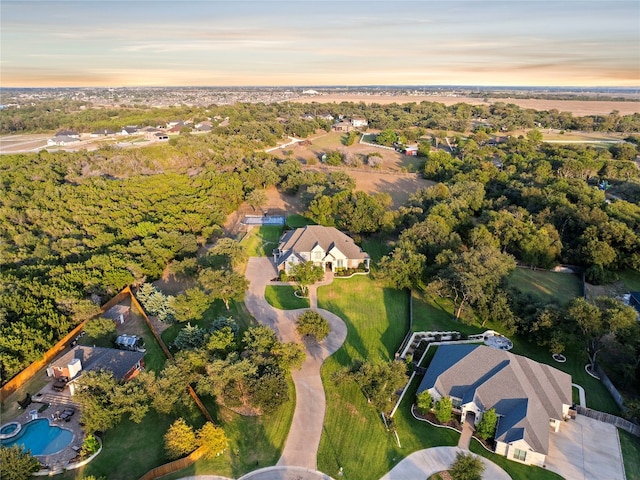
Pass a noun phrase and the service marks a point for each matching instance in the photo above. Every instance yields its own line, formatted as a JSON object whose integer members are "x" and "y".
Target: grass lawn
{"x": 282, "y": 297}
{"x": 376, "y": 247}
{"x": 297, "y": 221}
{"x": 630, "y": 445}
{"x": 130, "y": 450}
{"x": 375, "y": 329}
{"x": 547, "y": 286}
{"x": 330, "y": 141}
{"x": 260, "y": 241}
{"x": 254, "y": 442}
{"x": 631, "y": 280}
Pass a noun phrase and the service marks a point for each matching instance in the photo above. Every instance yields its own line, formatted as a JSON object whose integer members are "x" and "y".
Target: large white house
{"x": 326, "y": 247}
{"x": 531, "y": 399}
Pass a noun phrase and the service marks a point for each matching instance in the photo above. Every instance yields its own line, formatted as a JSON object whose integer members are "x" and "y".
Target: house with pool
{"x": 531, "y": 399}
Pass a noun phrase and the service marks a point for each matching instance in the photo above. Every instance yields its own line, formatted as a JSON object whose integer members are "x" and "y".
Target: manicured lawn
{"x": 547, "y": 286}
{"x": 434, "y": 314}
{"x": 282, "y": 297}
{"x": 377, "y": 319}
{"x": 630, "y": 445}
{"x": 297, "y": 221}
{"x": 259, "y": 242}
{"x": 376, "y": 247}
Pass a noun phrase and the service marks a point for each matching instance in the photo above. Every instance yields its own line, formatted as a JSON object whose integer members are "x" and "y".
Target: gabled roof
{"x": 66, "y": 133}
{"x": 306, "y": 238}
{"x": 103, "y": 131}
{"x": 525, "y": 393}
{"x": 119, "y": 362}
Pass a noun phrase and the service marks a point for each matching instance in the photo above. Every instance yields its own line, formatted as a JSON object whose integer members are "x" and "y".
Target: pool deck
{"x": 58, "y": 402}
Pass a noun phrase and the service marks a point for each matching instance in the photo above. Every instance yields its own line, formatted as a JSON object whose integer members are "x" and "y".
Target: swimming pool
{"x": 41, "y": 438}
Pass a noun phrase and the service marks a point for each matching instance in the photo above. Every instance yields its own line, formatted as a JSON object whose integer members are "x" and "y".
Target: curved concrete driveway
{"x": 301, "y": 447}
{"x": 423, "y": 463}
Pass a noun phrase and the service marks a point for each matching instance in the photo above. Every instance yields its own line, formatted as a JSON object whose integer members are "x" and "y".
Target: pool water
{"x": 41, "y": 438}
{"x": 7, "y": 429}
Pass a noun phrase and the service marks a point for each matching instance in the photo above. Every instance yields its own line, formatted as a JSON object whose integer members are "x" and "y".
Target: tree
{"x": 486, "y": 428}
{"x": 443, "y": 409}
{"x": 288, "y": 355}
{"x": 424, "y": 401}
{"x": 225, "y": 285}
{"x": 256, "y": 199}
{"x": 403, "y": 267}
{"x": 379, "y": 381}
{"x": 190, "y": 305}
{"x": 387, "y": 137}
{"x": 259, "y": 339}
{"x": 466, "y": 466}
{"x": 605, "y": 316}
{"x": 314, "y": 325}
{"x": 16, "y": 464}
{"x": 305, "y": 274}
{"x": 221, "y": 341}
{"x": 213, "y": 439}
{"x": 473, "y": 274}
{"x": 231, "y": 249}
{"x": 190, "y": 337}
{"x": 100, "y": 327}
{"x": 180, "y": 439}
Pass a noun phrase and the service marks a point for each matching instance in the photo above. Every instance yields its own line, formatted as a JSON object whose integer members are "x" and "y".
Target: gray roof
{"x": 525, "y": 393}
{"x": 119, "y": 362}
{"x": 305, "y": 238}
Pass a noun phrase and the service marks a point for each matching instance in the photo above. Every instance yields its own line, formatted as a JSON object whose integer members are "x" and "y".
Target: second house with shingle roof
{"x": 326, "y": 247}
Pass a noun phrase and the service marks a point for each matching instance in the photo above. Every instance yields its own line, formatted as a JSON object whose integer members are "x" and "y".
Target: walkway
{"x": 423, "y": 463}
{"x": 467, "y": 431}
{"x": 301, "y": 447}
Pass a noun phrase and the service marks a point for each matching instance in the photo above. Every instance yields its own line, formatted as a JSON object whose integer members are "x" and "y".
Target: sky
{"x": 330, "y": 42}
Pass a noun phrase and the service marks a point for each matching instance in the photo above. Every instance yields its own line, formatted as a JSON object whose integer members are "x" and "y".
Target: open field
{"x": 547, "y": 286}
{"x": 576, "y": 107}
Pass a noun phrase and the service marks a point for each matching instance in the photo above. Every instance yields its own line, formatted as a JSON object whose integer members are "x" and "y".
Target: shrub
{"x": 313, "y": 324}
{"x": 486, "y": 428}
{"x": 424, "y": 401}
{"x": 283, "y": 276}
{"x": 466, "y": 467}
{"x": 213, "y": 438}
{"x": 443, "y": 409}
{"x": 89, "y": 446}
{"x": 179, "y": 440}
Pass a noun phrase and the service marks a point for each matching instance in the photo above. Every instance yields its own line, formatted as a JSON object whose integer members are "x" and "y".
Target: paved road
{"x": 301, "y": 447}
{"x": 423, "y": 463}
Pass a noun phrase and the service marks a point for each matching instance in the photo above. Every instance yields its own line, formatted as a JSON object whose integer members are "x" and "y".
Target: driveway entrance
{"x": 585, "y": 449}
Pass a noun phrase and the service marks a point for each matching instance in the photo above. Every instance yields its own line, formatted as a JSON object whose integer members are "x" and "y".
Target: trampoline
{"x": 264, "y": 220}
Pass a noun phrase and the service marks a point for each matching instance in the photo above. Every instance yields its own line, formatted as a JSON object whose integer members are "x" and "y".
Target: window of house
{"x": 520, "y": 454}
{"x": 339, "y": 263}
{"x": 317, "y": 255}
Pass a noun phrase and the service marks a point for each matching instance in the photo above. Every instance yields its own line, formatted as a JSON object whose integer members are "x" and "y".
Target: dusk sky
{"x": 157, "y": 43}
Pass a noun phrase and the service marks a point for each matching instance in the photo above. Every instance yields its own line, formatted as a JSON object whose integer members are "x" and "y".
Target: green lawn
{"x": 282, "y": 297}
{"x": 297, "y": 221}
{"x": 547, "y": 286}
{"x": 631, "y": 280}
{"x": 254, "y": 442}
{"x": 375, "y": 330}
{"x": 259, "y": 242}
{"x": 377, "y": 320}
{"x": 630, "y": 445}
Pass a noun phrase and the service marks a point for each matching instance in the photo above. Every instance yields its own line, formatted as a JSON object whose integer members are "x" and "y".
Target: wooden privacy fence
{"x": 26, "y": 374}
{"x": 192, "y": 392}
{"x": 174, "y": 466}
{"x": 608, "y": 418}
